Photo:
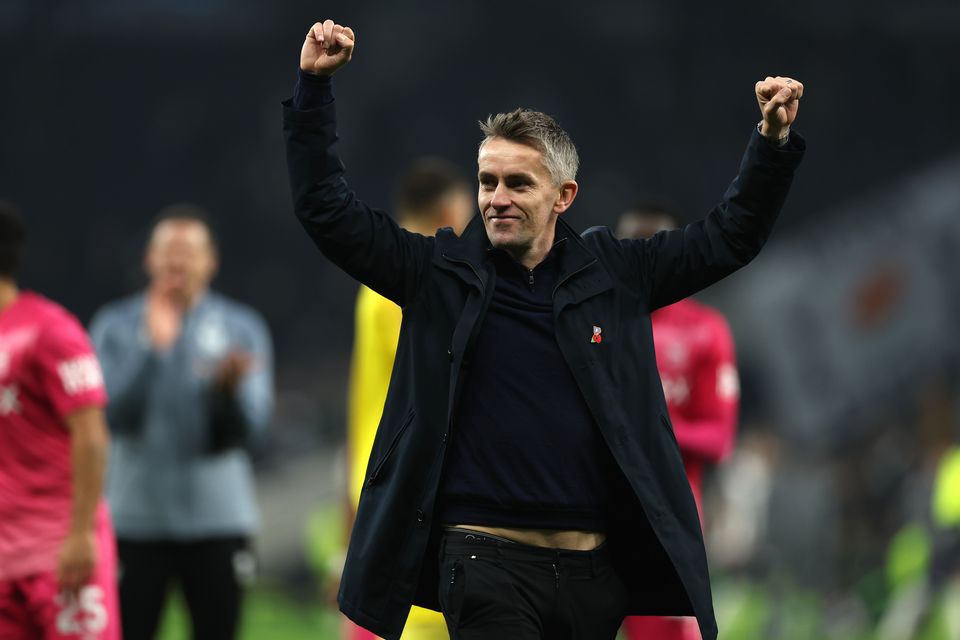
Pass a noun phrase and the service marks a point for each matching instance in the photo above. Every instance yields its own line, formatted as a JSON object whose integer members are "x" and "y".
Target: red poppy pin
{"x": 596, "y": 337}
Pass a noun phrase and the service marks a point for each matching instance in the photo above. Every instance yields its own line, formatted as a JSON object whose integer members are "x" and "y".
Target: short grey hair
{"x": 540, "y": 131}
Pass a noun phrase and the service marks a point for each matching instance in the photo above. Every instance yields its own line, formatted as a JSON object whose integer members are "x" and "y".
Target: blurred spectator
{"x": 695, "y": 358}
{"x": 738, "y": 530}
{"x": 190, "y": 378}
{"x": 945, "y": 572}
{"x": 432, "y": 194}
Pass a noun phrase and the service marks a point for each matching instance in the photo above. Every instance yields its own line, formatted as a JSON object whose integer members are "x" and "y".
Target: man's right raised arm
{"x": 363, "y": 241}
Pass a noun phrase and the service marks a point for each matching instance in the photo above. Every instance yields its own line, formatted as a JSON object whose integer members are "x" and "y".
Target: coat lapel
{"x": 582, "y": 276}
{"x": 464, "y": 256}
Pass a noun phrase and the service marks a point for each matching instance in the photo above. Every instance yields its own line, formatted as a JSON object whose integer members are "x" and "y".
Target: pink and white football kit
{"x": 696, "y": 361}
{"x": 48, "y": 370}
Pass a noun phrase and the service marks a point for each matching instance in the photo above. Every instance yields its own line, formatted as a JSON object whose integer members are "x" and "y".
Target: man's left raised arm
{"x": 673, "y": 265}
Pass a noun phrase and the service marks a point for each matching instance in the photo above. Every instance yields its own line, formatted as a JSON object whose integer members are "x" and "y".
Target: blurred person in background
{"x": 946, "y": 516}
{"x": 697, "y": 365}
{"x": 57, "y": 550}
{"x": 945, "y": 570}
{"x": 432, "y": 194}
{"x": 524, "y": 478}
{"x": 190, "y": 377}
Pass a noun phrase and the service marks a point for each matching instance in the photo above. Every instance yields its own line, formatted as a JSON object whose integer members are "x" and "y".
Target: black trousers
{"x": 492, "y": 589}
{"x": 210, "y": 573}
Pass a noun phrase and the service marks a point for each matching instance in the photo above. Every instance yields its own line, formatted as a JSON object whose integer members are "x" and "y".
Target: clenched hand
{"x": 779, "y": 99}
{"x": 327, "y": 47}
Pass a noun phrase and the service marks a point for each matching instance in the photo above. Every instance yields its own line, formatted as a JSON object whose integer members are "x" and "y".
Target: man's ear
{"x": 568, "y": 192}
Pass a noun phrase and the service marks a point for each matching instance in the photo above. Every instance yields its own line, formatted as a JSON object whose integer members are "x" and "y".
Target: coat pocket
{"x": 372, "y": 477}
{"x": 452, "y": 587}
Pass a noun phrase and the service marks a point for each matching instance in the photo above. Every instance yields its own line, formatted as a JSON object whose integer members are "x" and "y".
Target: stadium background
{"x": 821, "y": 524}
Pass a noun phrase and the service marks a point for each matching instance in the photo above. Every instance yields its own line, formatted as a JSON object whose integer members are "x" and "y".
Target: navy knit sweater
{"x": 525, "y": 450}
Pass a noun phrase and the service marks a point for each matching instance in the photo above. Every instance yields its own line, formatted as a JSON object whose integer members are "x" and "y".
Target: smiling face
{"x": 519, "y": 200}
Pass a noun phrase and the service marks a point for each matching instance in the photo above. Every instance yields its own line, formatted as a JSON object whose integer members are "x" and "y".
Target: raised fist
{"x": 327, "y": 47}
{"x": 779, "y": 99}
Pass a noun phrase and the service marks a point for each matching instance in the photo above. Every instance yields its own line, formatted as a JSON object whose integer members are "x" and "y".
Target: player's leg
{"x": 418, "y": 627}
{"x": 146, "y": 569}
{"x": 90, "y": 614}
{"x": 15, "y": 624}
{"x": 36, "y": 604}
{"x": 425, "y": 625}
{"x": 213, "y": 574}
{"x": 352, "y": 631}
{"x": 660, "y": 628}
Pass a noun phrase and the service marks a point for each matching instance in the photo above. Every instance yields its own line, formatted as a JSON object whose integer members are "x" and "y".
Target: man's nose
{"x": 500, "y": 198}
{"x": 178, "y": 264}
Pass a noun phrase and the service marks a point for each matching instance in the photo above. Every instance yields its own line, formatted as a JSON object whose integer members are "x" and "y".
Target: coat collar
{"x": 465, "y": 255}
{"x": 581, "y": 273}
{"x": 470, "y": 247}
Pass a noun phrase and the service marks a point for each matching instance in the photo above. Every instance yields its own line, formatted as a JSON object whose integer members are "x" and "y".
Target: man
{"x": 189, "y": 373}
{"x": 431, "y": 194}
{"x": 57, "y": 553}
{"x": 525, "y": 440}
{"x": 696, "y": 361}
